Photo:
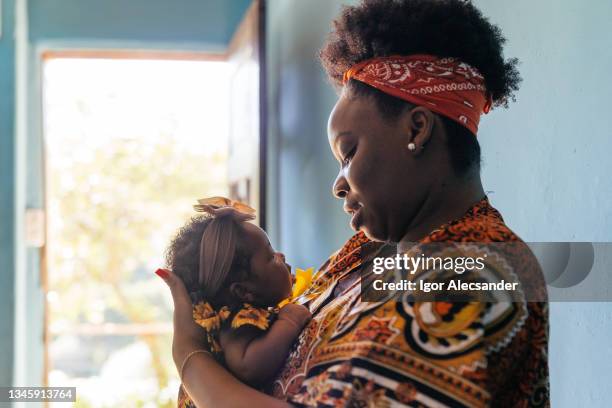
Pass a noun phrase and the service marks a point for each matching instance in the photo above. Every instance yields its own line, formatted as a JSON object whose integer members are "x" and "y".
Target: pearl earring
{"x": 411, "y": 147}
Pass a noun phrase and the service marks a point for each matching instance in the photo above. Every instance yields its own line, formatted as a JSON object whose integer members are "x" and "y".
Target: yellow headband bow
{"x": 220, "y": 206}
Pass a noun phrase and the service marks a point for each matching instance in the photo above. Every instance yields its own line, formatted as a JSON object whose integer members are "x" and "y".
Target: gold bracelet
{"x": 193, "y": 353}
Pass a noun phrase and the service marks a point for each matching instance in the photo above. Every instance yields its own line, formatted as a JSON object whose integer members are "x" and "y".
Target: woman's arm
{"x": 210, "y": 385}
{"x": 255, "y": 357}
{"x": 207, "y": 383}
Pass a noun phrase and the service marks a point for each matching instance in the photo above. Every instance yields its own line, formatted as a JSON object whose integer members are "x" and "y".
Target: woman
{"x": 414, "y": 77}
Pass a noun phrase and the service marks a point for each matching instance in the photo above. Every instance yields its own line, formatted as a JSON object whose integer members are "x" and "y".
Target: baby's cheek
{"x": 289, "y": 280}
{"x": 288, "y": 286}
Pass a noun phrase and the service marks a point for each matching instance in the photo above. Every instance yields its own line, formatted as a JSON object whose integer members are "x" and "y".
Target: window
{"x": 130, "y": 145}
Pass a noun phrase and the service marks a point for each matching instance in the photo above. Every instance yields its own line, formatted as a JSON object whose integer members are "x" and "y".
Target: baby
{"x": 237, "y": 281}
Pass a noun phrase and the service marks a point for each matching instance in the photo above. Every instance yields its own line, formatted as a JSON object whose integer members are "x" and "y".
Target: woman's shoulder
{"x": 481, "y": 223}
{"x": 483, "y": 231}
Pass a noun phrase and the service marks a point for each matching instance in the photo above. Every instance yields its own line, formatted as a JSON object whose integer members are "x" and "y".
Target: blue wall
{"x": 7, "y": 191}
{"x": 194, "y": 24}
{"x": 304, "y": 219}
{"x": 546, "y": 159}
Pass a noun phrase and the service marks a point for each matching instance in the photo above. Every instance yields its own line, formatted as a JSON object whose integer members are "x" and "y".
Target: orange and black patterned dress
{"x": 212, "y": 321}
{"x": 381, "y": 354}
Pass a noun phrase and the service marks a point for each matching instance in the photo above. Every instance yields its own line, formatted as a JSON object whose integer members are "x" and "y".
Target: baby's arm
{"x": 254, "y": 356}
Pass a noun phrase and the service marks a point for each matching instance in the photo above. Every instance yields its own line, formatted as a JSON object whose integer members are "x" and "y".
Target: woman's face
{"x": 379, "y": 180}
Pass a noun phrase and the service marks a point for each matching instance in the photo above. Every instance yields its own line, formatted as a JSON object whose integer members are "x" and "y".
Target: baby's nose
{"x": 282, "y": 256}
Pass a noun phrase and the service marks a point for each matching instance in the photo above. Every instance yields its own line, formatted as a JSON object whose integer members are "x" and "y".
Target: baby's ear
{"x": 240, "y": 291}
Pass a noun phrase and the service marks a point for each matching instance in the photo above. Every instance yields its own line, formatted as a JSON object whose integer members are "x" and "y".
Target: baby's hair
{"x": 207, "y": 254}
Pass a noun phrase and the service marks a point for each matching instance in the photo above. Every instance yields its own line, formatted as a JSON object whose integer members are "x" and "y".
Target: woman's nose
{"x": 281, "y": 255}
{"x": 340, "y": 188}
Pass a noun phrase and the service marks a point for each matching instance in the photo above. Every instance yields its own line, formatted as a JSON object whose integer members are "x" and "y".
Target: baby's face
{"x": 270, "y": 278}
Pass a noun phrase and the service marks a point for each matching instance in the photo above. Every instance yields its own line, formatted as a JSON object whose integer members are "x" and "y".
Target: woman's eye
{"x": 349, "y": 156}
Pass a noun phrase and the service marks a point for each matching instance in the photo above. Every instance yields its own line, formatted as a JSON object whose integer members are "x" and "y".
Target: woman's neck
{"x": 447, "y": 203}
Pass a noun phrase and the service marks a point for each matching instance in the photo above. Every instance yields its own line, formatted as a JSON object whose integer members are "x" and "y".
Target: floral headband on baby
{"x": 222, "y": 206}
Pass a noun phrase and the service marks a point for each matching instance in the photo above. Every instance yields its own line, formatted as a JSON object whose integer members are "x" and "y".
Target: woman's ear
{"x": 242, "y": 292}
{"x": 420, "y": 124}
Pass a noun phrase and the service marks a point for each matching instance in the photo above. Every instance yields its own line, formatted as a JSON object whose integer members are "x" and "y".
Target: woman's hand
{"x": 188, "y": 336}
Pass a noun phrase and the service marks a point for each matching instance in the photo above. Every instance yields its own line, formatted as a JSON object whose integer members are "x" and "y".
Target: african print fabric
{"x": 213, "y": 320}
{"x": 385, "y": 354}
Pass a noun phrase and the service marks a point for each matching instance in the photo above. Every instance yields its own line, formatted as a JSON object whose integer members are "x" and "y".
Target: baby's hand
{"x": 297, "y": 314}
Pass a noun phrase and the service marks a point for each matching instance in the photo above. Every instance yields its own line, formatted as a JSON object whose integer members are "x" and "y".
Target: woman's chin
{"x": 371, "y": 233}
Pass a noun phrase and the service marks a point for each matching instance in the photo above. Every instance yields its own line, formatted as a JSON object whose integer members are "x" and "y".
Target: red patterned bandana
{"x": 443, "y": 85}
